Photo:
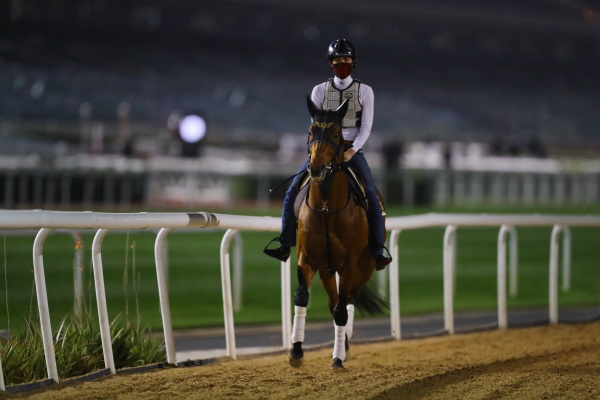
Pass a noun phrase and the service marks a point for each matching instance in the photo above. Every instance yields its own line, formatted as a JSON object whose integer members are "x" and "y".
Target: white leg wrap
{"x": 339, "y": 345}
{"x": 350, "y": 323}
{"x": 299, "y": 321}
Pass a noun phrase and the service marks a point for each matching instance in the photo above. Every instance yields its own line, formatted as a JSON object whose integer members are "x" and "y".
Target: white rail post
{"x": 514, "y": 262}
{"x": 42, "y": 299}
{"x": 553, "y": 271}
{"x": 566, "y": 259}
{"x": 449, "y": 260}
{"x": 109, "y": 361}
{"x": 382, "y": 278}
{"x": 286, "y": 304}
{"x": 238, "y": 272}
{"x": 2, "y": 386}
{"x": 501, "y": 276}
{"x": 226, "y": 291}
{"x": 163, "y": 293}
{"x": 395, "y": 286}
{"x": 78, "y": 274}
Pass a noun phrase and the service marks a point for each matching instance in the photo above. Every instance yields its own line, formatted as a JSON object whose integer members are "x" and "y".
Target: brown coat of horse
{"x": 333, "y": 236}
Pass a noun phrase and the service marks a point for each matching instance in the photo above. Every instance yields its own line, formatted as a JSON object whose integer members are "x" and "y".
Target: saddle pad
{"x": 356, "y": 186}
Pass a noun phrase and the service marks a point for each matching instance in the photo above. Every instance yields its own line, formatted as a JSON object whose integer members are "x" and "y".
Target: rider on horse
{"x": 356, "y": 129}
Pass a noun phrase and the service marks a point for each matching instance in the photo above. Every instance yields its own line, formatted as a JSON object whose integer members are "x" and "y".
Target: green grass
{"x": 195, "y": 282}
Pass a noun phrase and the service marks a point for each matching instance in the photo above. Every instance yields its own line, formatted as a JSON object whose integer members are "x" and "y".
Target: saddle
{"x": 357, "y": 190}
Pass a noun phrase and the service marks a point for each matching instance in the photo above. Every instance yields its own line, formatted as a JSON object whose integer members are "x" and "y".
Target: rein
{"x": 326, "y": 211}
{"x": 325, "y": 190}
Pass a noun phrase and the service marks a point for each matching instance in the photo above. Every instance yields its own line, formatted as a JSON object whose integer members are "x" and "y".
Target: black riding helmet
{"x": 341, "y": 48}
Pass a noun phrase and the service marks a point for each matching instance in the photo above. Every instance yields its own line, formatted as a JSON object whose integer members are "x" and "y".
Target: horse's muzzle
{"x": 319, "y": 173}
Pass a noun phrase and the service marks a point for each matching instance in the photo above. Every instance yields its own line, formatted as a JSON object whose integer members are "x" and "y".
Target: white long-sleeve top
{"x": 367, "y": 100}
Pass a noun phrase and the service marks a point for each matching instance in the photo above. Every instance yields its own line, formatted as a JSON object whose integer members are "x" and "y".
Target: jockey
{"x": 356, "y": 128}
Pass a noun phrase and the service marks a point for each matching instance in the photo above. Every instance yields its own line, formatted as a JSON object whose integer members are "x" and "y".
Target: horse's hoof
{"x": 296, "y": 358}
{"x": 337, "y": 364}
{"x": 295, "y": 362}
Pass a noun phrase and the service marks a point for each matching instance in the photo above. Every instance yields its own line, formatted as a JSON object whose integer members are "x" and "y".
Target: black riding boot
{"x": 285, "y": 239}
{"x": 282, "y": 253}
{"x": 381, "y": 261}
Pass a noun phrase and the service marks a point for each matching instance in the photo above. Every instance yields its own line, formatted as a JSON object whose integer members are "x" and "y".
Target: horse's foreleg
{"x": 340, "y": 318}
{"x": 296, "y": 352}
{"x": 301, "y": 302}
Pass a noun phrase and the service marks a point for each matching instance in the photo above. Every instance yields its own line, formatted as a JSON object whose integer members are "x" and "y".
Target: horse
{"x": 333, "y": 237}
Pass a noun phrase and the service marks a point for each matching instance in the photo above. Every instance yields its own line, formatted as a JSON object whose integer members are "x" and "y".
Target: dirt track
{"x": 534, "y": 363}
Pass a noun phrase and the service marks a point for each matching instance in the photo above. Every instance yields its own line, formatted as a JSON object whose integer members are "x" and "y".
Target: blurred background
{"x": 156, "y": 104}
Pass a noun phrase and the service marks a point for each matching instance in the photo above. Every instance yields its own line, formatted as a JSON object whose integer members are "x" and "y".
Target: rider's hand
{"x": 348, "y": 154}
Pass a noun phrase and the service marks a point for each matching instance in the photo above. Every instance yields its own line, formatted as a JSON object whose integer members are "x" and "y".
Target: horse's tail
{"x": 370, "y": 301}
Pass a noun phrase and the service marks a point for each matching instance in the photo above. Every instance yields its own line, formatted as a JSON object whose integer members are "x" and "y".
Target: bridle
{"x": 324, "y": 134}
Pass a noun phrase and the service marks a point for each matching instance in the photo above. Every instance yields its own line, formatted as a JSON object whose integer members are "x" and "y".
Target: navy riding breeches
{"x": 374, "y": 213}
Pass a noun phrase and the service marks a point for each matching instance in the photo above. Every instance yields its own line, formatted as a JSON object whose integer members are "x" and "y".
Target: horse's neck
{"x": 336, "y": 194}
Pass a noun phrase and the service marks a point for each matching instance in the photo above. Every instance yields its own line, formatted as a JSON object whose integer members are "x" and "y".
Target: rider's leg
{"x": 287, "y": 236}
{"x": 374, "y": 213}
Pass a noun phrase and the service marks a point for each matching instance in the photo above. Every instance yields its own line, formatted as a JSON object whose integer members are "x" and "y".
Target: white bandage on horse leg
{"x": 350, "y": 323}
{"x": 339, "y": 345}
{"x": 299, "y": 322}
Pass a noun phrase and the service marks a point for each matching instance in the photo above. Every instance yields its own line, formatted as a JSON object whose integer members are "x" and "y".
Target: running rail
{"x": 48, "y": 221}
{"x": 507, "y": 224}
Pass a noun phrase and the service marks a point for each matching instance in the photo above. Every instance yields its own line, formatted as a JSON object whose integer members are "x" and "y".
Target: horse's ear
{"x": 312, "y": 107}
{"x": 342, "y": 109}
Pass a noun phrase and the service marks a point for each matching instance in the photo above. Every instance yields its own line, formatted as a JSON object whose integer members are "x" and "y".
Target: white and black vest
{"x": 334, "y": 97}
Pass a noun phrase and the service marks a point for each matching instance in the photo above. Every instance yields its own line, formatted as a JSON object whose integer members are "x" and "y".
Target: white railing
{"x": 507, "y": 224}
{"x": 48, "y": 221}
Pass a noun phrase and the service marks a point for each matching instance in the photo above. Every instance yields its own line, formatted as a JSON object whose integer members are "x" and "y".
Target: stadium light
{"x": 190, "y": 129}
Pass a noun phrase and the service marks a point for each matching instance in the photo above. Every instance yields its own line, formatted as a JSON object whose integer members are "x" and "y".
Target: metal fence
{"x": 48, "y": 221}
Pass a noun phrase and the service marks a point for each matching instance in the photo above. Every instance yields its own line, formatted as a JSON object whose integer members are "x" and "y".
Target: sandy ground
{"x": 558, "y": 362}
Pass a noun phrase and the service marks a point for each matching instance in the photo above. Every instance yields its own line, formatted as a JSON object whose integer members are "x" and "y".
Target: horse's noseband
{"x": 324, "y": 135}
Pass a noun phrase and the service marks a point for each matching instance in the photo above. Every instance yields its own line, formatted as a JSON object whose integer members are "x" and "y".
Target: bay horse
{"x": 333, "y": 237}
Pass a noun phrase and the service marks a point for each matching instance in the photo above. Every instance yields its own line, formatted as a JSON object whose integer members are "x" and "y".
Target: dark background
{"x": 465, "y": 70}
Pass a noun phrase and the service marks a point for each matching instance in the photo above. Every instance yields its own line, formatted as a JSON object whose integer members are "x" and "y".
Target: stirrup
{"x": 276, "y": 239}
{"x": 381, "y": 261}
{"x": 282, "y": 253}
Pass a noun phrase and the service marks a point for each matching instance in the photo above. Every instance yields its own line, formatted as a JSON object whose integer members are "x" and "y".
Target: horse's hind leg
{"x": 301, "y": 302}
{"x": 349, "y": 325}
